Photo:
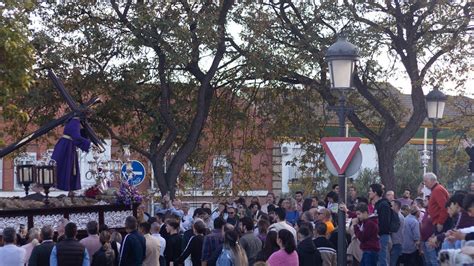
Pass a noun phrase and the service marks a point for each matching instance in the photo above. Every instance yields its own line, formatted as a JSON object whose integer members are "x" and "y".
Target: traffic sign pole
{"x": 341, "y": 223}
{"x": 341, "y": 216}
{"x": 341, "y": 112}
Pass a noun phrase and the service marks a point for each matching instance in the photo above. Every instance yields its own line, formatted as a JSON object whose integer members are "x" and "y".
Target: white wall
{"x": 369, "y": 157}
{"x": 288, "y": 171}
{"x": 84, "y": 166}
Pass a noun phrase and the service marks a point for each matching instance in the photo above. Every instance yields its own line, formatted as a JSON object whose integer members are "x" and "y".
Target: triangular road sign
{"x": 340, "y": 150}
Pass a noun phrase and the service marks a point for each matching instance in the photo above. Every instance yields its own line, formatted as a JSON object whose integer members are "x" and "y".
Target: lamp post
{"x": 435, "y": 102}
{"x": 342, "y": 57}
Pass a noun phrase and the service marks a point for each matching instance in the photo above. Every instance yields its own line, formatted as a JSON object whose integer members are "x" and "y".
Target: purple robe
{"x": 65, "y": 155}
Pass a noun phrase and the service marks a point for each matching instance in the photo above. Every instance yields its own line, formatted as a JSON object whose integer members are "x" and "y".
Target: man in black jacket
{"x": 308, "y": 254}
{"x": 133, "y": 247}
{"x": 383, "y": 211}
{"x": 41, "y": 253}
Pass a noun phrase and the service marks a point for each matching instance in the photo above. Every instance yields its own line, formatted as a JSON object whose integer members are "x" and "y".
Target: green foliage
{"x": 453, "y": 160}
{"x": 364, "y": 180}
{"x": 408, "y": 170}
{"x": 16, "y": 55}
{"x": 306, "y": 184}
{"x": 453, "y": 164}
{"x": 453, "y": 172}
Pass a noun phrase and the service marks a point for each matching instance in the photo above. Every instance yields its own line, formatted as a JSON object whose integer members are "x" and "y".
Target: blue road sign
{"x": 138, "y": 173}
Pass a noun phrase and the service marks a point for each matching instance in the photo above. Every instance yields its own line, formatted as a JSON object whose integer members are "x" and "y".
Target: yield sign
{"x": 340, "y": 150}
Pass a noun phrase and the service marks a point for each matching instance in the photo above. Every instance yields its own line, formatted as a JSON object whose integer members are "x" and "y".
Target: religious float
{"x": 60, "y": 170}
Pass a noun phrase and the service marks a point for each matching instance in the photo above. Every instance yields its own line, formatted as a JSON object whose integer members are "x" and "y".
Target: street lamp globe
{"x": 435, "y": 102}
{"x": 342, "y": 57}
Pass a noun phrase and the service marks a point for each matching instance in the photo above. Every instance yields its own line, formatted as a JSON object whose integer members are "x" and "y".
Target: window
{"x": 193, "y": 178}
{"x": 222, "y": 172}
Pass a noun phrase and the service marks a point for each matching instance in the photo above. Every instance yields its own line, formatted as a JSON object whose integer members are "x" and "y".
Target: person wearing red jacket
{"x": 366, "y": 230}
{"x": 437, "y": 203}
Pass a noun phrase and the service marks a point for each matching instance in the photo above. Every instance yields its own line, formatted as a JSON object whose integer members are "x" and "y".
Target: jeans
{"x": 369, "y": 258}
{"x": 383, "y": 253}
{"x": 429, "y": 253}
{"x": 451, "y": 245}
{"x": 395, "y": 254}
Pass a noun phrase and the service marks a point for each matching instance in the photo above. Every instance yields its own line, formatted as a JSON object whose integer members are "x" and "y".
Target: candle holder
{"x": 26, "y": 175}
{"x": 46, "y": 177}
{"x": 25, "y": 171}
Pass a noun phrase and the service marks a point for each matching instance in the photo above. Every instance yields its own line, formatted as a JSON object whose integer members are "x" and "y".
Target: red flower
{"x": 92, "y": 192}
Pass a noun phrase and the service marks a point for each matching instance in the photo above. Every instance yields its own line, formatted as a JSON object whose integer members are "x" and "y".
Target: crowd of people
{"x": 381, "y": 229}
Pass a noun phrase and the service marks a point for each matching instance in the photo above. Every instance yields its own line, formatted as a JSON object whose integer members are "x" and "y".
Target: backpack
{"x": 394, "y": 221}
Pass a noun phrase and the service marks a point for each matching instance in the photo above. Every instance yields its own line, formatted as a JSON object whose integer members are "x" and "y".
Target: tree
{"x": 156, "y": 106}
{"x": 408, "y": 170}
{"x": 453, "y": 160}
{"x": 366, "y": 178}
{"x": 158, "y": 65}
{"x": 285, "y": 42}
{"x": 16, "y": 54}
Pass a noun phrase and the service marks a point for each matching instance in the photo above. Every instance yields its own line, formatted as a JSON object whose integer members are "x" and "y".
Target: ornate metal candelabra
{"x": 102, "y": 170}
{"x": 425, "y": 159}
{"x": 128, "y": 163}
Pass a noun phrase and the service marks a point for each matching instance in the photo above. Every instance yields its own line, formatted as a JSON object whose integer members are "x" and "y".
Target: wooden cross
{"x": 77, "y": 110}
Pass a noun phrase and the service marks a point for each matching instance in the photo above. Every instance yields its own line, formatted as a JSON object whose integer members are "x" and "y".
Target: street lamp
{"x": 435, "y": 102}
{"x": 342, "y": 57}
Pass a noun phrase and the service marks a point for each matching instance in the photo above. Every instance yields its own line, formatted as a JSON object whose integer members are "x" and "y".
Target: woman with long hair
{"x": 269, "y": 247}
{"x": 105, "y": 256}
{"x": 232, "y": 254}
{"x": 287, "y": 255}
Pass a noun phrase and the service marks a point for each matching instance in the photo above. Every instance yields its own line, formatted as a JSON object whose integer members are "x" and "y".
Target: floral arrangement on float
{"x": 128, "y": 194}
